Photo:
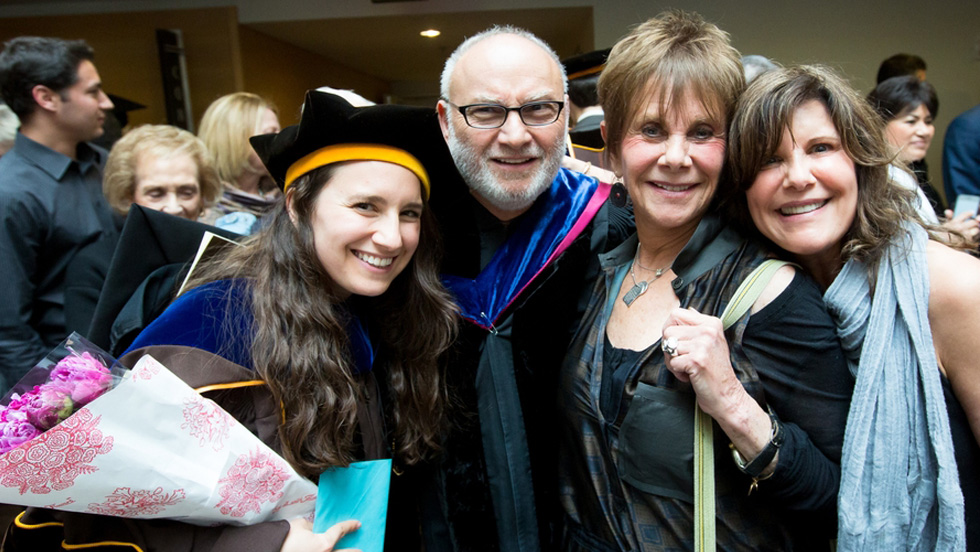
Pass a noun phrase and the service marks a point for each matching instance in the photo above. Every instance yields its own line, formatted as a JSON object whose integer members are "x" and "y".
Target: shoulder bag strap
{"x": 704, "y": 453}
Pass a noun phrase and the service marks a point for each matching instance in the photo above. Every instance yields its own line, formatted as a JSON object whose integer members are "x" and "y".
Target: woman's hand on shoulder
{"x": 588, "y": 169}
{"x": 954, "y": 316}
{"x": 301, "y": 537}
{"x": 966, "y": 225}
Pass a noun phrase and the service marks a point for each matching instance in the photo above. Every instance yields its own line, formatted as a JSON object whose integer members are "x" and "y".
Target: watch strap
{"x": 764, "y": 458}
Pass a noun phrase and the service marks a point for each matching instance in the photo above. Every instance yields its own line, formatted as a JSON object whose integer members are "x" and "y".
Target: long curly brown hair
{"x": 301, "y": 348}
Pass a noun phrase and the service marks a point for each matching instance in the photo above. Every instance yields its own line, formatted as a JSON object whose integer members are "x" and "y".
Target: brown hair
{"x": 301, "y": 348}
{"x": 684, "y": 54}
{"x": 766, "y": 109}
{"x": 119, "y": 182}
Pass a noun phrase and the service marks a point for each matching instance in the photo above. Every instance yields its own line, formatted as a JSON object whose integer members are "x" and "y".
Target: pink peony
{"x": 87, "y": 377}
{"x": 46, "y": 405}
{"x": 74, "y": 381}
{"x": 14, "y": 432}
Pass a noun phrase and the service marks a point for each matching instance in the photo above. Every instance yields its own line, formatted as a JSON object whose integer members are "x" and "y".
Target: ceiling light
{"x": 430, "y": 33}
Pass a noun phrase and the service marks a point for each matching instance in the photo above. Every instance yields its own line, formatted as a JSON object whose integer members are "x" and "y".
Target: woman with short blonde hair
{"x": 152, "y": 152}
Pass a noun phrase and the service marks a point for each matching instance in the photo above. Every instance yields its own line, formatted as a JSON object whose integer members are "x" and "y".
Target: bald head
{"x": 508, "y": 37}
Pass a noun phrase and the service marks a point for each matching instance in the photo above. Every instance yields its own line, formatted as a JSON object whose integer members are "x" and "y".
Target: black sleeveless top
{"x": 967, "y": 454}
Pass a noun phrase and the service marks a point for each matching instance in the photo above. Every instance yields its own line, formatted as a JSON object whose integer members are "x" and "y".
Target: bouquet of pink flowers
{"x": 71, "y": 376}
{"x": 81, "y": 435}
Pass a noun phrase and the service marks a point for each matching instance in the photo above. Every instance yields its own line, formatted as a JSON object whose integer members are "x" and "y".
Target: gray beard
{"x": 478, "y": 174}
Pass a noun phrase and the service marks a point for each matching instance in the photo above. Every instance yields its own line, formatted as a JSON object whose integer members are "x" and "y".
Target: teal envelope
{"x": 359, "y": 491}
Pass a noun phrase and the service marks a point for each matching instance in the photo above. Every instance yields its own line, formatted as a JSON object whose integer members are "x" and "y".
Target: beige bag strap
{"x": 704, "y": 453}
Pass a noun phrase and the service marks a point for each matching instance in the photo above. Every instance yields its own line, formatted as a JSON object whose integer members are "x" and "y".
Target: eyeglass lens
{"x": 492, "y": 116}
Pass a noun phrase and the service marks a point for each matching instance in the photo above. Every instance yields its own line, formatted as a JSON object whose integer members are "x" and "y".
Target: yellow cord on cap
{"x": 586, "y": 72}
{"x": 357, "y": 152}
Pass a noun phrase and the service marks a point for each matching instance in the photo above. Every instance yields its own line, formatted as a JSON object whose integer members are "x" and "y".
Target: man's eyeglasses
{"x": 486, "y": 115}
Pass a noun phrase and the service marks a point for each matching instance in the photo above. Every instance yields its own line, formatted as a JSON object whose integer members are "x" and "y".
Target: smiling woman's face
{"x": 366, "y": 222}
{"x": 805, "y": 197}
{"x": 671, "y": 163}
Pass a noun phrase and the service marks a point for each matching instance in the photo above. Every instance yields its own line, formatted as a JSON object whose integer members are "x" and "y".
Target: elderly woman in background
{"x": 651, "y": 348}
{"x": 812, "y": 166}
{"x": 163, "y": 168}
{"x": 159, "y": 167}
{"x": 227, "y": 125}
{"x": 908, "y": 107}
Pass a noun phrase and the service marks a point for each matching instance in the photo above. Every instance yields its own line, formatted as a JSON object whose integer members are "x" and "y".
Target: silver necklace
{"x": 639, "y": 288}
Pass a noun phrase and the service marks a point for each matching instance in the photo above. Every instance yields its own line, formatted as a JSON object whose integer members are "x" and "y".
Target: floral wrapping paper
{"x": 152, "y": 447}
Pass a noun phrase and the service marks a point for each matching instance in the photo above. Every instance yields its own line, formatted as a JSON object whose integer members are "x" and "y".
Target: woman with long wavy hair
{"x": 336, "y": 306}
{"x": 811, "y": 165}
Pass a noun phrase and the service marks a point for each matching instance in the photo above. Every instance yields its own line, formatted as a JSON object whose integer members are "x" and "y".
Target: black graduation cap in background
{"x": 587, "y": 64}
{"x": 329, "y": 120}
{"x": 122, "y": 106}
{"x": 151, "y": 241}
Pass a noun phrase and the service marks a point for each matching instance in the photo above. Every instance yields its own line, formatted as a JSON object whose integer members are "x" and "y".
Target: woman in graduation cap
{"x": 336, "y": 306}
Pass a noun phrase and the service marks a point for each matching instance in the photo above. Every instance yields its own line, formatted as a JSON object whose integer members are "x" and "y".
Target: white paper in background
{"x": 152, "y": 447}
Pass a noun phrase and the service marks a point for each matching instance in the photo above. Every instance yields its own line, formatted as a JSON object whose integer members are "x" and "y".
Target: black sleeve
{"x": 793, "y": 345}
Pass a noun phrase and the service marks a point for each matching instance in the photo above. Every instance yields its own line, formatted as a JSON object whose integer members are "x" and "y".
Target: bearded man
{"x": 522, "y": 237}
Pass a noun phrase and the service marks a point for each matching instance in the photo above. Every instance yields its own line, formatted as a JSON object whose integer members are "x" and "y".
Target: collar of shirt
{"x": 54, "y": 163}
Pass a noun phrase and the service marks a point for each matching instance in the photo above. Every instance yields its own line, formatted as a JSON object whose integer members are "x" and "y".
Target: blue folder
{"x": 359, "y": 491}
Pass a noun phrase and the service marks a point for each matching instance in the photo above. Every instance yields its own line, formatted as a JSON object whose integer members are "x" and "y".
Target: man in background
{"x": 961, "y": 152}
{"x": 585, "y": 113}
{"x": 51, "y": 201}
{"x": 900, "y": 65}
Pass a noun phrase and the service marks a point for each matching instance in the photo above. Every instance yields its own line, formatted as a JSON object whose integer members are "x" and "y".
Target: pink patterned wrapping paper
{"x": 152, "y": 447}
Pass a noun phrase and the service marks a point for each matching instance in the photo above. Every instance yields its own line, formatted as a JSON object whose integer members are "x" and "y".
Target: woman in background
{"x": 159, "y": 167}
{"x": 163, "y": 168}
{"x": 908, "y": 106}
{"x": 226, "y": 127}
{"x": 8, "y": 128}
{"x": 812, "y": 167}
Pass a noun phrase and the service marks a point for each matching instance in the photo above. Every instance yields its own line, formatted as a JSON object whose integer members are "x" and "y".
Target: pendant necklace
{"x": 639, "y": 288}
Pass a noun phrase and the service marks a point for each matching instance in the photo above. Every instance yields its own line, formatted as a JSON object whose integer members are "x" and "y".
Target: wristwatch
{"x": 754, "y": 468}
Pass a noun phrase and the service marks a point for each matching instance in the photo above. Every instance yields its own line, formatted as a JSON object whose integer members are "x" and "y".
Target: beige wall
{"x": 221, "y": 57}
{"x": 126, "y": 52}
{"x": 283, "y": 73}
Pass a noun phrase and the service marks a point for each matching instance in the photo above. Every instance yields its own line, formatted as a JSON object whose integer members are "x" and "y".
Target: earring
{"x": 617, "y": 196}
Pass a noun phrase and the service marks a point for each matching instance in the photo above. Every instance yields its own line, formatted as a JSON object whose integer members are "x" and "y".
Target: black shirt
{"x": 50, "y": 206}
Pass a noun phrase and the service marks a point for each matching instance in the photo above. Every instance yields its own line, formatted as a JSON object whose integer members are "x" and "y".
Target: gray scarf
{"x": 899, "y": 486}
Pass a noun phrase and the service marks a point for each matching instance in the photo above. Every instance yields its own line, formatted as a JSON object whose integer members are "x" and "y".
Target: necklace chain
{"x": 639, "y": 288}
